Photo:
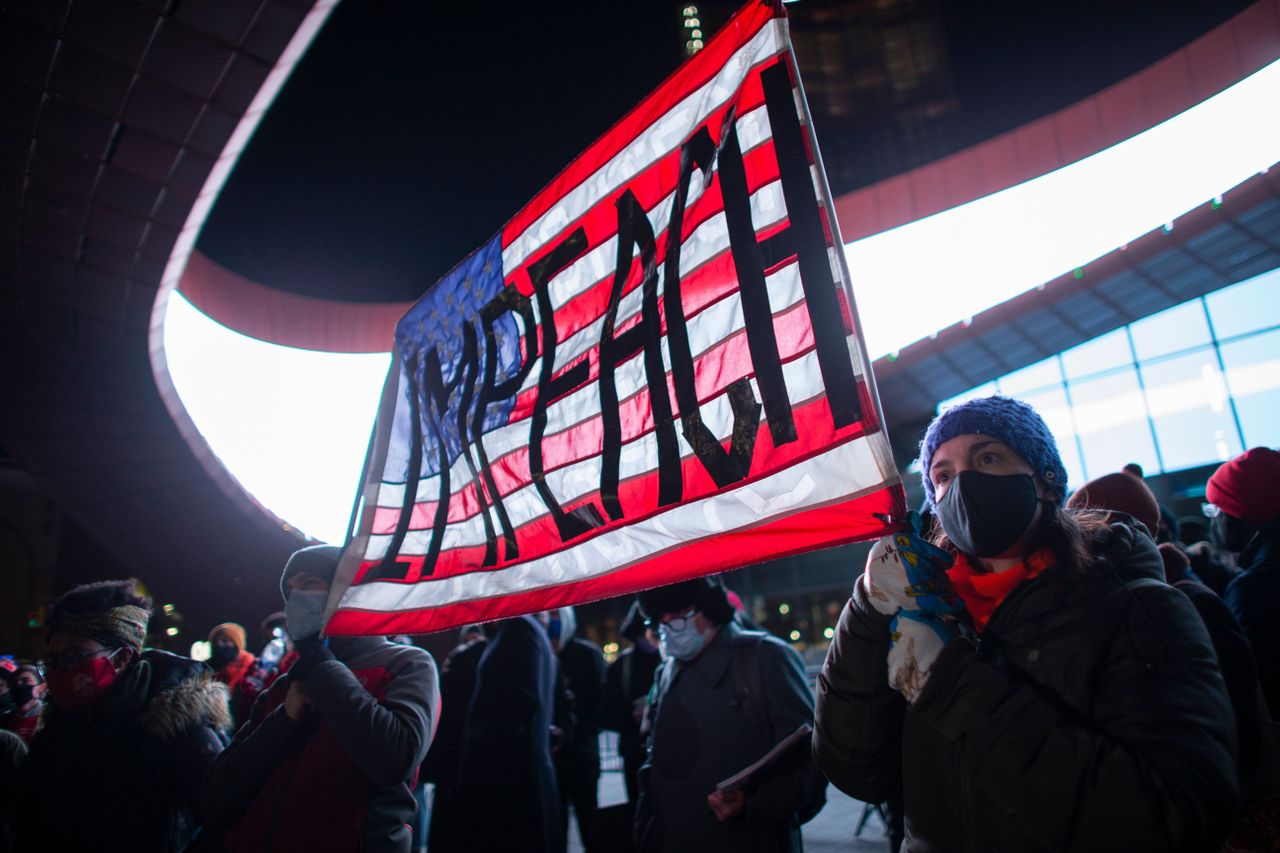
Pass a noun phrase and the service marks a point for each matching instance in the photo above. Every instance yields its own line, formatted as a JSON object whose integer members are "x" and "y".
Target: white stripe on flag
{"x": 574, "y": 481}
{"x": 660, "y": 138}
{"x": 706, "y": 329}
{"x": 803, "y": 485}
{"x": 599, "y": 263}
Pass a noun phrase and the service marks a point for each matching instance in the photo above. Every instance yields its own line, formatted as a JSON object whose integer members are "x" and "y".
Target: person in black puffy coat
{"x": 127, "y": 737}
{"x": 1027, "y": 677}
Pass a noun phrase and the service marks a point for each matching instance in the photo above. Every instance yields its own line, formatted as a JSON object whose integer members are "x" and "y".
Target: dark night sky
{"x": 403, "y": 141}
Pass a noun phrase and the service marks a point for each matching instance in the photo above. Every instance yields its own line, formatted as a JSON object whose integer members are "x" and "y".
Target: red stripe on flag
{"x": 820, "y": 527}
{"x": 740, "y": 29}
{"x": 723, "y": 364}
{"x": 639, "y": 495}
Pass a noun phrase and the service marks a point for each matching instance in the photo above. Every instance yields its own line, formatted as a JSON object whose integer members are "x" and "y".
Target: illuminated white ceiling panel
{"x": 291, "y": 425}
{"x": 917, "y": 279}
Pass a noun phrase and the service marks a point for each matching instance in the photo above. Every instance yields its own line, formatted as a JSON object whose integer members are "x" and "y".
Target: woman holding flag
{"x": 1026, "y": 677}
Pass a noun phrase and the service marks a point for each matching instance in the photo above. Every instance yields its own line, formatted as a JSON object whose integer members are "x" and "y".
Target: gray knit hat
{"x": 318, "y": 560}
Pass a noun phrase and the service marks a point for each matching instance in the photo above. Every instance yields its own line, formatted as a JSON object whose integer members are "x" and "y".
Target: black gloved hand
{"x": 311, "y": 653}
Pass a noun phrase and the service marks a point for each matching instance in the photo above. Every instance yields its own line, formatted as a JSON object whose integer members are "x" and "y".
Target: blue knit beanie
{"x": 1011, "y": 421}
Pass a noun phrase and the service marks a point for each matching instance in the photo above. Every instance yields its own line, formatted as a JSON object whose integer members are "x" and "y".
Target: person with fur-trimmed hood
{"x": 127, "y": 736}
{"x": 330, "y": 753}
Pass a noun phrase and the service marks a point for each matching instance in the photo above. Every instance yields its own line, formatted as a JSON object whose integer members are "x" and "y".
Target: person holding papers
{"x": 722, "y": 700}
{"x": 1027, "y": 677}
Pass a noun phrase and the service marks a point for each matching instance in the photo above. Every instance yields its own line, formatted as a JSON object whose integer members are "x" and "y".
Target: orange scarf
{"x": 983, "y": 591}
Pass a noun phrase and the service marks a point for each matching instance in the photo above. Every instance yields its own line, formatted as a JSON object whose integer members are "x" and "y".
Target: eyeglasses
{"x": 1211, "y": 510}
{"x": 68, "y": 660}
{"x": 675, "y": 623}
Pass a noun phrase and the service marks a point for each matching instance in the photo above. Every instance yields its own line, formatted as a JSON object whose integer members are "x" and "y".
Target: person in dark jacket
{"x": 627, "y": 683}
{"x": 329, "y": 755}
{"x": 724, "y": 698}
{"x": 1028, "y": 678}
{"x": 507, "y": 795}
{"x": 127, "y": 737}
{"x": 457, "y": 686}
{"x": 578, "y": 758}
{"x": 26, "y": 692}
{"x": 233, "y": 665}
{"x": 13, "y": 751}
{"x": 1124, "y": 497}
{"x": 1246, "y": 493}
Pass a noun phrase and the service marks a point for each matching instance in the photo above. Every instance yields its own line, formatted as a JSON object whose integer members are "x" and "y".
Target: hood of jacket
{"x": 1263, "y": 549}
{"x": 166, "y": 694}
{"x": 1128, "y": 551}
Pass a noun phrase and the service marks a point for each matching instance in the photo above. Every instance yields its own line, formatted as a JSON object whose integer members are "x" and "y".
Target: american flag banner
{"x": 653, "y": 372}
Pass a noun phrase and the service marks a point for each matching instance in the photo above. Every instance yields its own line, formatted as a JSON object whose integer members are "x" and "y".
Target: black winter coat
{"x": 127, "y": 774}
{"x": 507, "y": 794}
{"x": 1090, "y": 716}
{"x": 582, "y": 666}
{"x": 1254, "y": 598}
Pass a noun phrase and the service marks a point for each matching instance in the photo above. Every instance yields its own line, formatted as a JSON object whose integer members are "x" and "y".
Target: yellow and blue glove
{"x": 906, "y": 572}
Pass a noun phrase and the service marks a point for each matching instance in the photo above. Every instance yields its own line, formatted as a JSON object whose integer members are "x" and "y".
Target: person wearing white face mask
{"x": 722, "y": 699}
{"x": 327, "y": 758}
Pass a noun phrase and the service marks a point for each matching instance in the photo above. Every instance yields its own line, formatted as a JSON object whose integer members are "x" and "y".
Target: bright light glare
{"x": 291, "y": 425}
{"x": 920, "y": 278}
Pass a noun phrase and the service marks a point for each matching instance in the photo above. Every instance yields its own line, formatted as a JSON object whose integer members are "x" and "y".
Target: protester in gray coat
{"x": 723, "y": 699}
{"x": 330, "y": 753}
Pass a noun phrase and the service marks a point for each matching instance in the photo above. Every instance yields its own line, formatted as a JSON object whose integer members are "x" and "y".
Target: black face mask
{"x": 223, "y": 655}
{"x": 22, "y": 694}
{"x": 984, "y": 514}
{"x": 1230, "y": 533}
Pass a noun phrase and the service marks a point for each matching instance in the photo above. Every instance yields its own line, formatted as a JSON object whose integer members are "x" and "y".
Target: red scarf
{"x": 233, "y": 672}
{"x": 983, "y": 591}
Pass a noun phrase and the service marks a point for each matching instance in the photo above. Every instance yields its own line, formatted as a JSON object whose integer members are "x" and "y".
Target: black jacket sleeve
{"x": 857, "y": 739}
{"x": 241, "y": 770}
{"x": 1154, "y": 761}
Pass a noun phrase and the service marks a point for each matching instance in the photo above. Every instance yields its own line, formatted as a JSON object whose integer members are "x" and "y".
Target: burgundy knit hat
{"x": 1121, "y": 492}
{"x": 1248, "y": 487}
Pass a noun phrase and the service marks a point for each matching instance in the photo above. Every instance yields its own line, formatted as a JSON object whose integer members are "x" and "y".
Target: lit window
{"x": 1249, "y": 306}
{"x": 1190, "y": 409}
{"x": 690, "y": 23}
{"x": 1175, "y": 330}
{"x": 696, "y": 34}
{"x": 1253, "y": 378}
{"x": 697, "y": 44}
{"x": 1111, "y": 419}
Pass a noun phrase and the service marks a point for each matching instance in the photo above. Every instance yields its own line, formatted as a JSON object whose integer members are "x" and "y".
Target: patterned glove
{"x": 906, "y": 572}
{"x": 915, "y": 639}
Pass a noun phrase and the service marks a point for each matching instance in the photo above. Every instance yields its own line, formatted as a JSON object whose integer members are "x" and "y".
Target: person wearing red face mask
{"x": 26, "y": 690}
{"x": 127, "y": 736}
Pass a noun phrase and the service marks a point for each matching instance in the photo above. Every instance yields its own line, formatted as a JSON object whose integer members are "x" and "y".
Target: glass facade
{"x": 1193, "y": 385}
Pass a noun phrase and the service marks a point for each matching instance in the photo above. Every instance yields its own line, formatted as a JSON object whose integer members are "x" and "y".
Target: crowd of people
{"x": 1020, "y": 667}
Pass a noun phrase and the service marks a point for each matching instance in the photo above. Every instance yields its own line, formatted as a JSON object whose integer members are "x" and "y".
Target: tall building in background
{"x": 879, "y": 85}
{"x": 876, "y": 74}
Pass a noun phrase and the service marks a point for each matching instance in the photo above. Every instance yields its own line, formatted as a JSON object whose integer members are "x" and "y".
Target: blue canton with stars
{"x": 437, "y": 321}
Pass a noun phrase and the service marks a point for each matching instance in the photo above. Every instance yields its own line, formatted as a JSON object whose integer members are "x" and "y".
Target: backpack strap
{"x": 748, "y": 686}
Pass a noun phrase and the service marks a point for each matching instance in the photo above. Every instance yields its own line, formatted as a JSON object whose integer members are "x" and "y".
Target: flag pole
{"x": 824, "y": 191}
